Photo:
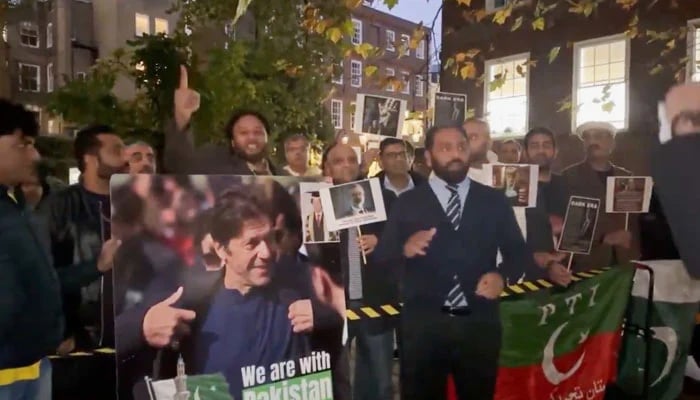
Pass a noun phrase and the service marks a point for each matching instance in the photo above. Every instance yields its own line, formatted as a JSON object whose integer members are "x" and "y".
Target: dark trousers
{"x": 436, "y": 344}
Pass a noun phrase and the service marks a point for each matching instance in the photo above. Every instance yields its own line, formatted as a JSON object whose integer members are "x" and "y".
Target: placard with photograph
{"x": 219, "y": 255}
{"x": 450, "y": 108}
{"x": 628, "y": 194}
{"x": 380, "y": 115}
{"x": 353, "y": 204}
{"x": 580, "y": 223}
{"x": 518, "y": 182}
{"x": 313, "y": 220}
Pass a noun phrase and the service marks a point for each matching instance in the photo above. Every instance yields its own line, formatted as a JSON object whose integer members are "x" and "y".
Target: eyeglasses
{"x": 398, "y": 155}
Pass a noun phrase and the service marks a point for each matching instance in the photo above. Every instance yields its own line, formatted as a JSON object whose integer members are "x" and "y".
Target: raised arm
{"x": 179, "y": 153}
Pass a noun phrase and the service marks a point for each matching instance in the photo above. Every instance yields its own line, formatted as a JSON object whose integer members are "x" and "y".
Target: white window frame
{"x": 36, "y": 110}
{"x": 338, "y": 80}
{"x": 356, "y": 31}
{"x": 38, "y": 78}
{"x": 49, "y": 78}
{"x": 390, "y": 72}
{"x": 139, "y": 32}
{"x": 49, "y": 35}
{"x": 420, "y": 85}
{"x": 390, "y": 41}
{"x": 693, "y": 49}
{"x": 353, "y": 82}
{"x": 406, "y": 88}
{"x": 405, "y": 42}
{"x": 81, "y": 75}
{"x": 487, "y": 92}
{"x": 338, "y": 124}
{"x": 420, "y": 50}
{"x": 575, "y": 78}
{"x": 25, "y": 26}
{"x": 157, "y": 20}
{"x": 491, "y": 5}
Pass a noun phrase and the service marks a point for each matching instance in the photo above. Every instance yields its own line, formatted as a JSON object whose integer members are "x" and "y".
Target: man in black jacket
{"x": 248, "y": 132}
{"x": 79, "y": 220}
{"x": 31, "y": 319}
{"x": 370, "y": 284}
{"x": 395, "y": 160}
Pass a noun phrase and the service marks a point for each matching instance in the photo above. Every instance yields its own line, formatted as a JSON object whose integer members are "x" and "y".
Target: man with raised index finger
{"x": 447, "y": 232}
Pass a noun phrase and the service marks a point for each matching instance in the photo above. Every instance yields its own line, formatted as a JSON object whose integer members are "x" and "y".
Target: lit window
{"x": 507, "y": 105}
{"x": 390, "y": 41}
{"x": 406, "y": 83}
{"x": 405, "y": 40}
{"x": 420, "y": 89}
{"x": 337, "y": 113}
{"x": 338, "y": 77}
{"x": 390, "y": 73}
{"x": 493, "y": 5}
{"x": 694, "y": 51}
{"x": 601, "y": 81}
{"x": 420, "y": 50}
{"x": 355, "y": 73}
{"x": 161, "y": 26}
{"x": 357, "y": 31}
{"x": 29, "y": 77}
{"x": 29, "y": 34}
{"x": 49, "y": 78}
{"x": 49, "y": 35}
{"x": 4, "y": 33}
{"x": 143, "y": 25}
{"x": 53, "y": 126}
{"x": 35, "y": 110}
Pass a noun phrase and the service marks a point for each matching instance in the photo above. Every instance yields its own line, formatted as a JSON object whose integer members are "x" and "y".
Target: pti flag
{"x": 563, "y": 343}
{"x": 673, "y": 308}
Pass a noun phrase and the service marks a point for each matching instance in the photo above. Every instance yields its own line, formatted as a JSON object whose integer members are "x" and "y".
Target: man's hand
{"x": 543, "y": 259}
{"x": 418, "y": 243}
{"x": 557, "y": 224}
{"x": 620, "y": 238}
{"x": 367, "y": 243}
{"x": 186, "y": 101}
{"x": 301, "y": 315}
{"x": 66, "y": 347}
{"x": 105, "y": 261}
{"x": 490, "y": 285}
{"x": 559, "y": 274}
{"x": 162, "y": 321}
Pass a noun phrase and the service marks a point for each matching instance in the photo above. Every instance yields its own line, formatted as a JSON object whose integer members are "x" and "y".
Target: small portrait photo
{"x": 380, "y": 115}
{"x": 313, "y": 220}
{"x": 353, "y": 204}
{"x": 579, "y": 225}
{"x": 450, "y": 108}
{"x": 628, "y": 194}
{"x": 518, "y": 182}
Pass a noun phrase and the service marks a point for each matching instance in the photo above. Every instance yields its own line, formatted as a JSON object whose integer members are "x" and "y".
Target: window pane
{"x": 618, "y": 51}
{"x": 602, "y": 55}
{"x": 161, "y": 26}
{"x": 590, "y": 110}
{"x": 587, "y": 76}
{"x": 617, "y": 71}
{"x": 142, "y": 22}
{"x": 587, "y": 56}
{"x": 507, "y": 116}
{"x": 602, "y": 73}
{"x": 520, "y": 87}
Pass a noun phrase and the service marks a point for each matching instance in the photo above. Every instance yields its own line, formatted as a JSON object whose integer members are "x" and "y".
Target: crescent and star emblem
{"x": 553, "y": 375}
{"x": 669, "y": 338}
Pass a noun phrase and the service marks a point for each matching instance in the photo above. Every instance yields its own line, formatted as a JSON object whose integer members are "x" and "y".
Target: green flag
{"x": 199, "y": 387}
{"x": 562, "y": 343}
{"x": 673, "y": 310}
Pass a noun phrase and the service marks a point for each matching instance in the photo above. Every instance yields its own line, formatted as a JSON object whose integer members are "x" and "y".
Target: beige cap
{"x": 596, "y": 125}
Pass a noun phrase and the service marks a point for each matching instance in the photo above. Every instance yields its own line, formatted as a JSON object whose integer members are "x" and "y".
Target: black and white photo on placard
{"x": 380, "y": 115}
{"x": 314, "y": 221}
{"x": 450, "y": 108}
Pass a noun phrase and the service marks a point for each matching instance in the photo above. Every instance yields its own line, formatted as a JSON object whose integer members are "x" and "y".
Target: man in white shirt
{"x": 395, "y": 158}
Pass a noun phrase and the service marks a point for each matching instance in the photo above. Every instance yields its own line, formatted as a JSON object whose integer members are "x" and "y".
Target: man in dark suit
{"x": 447, "y": 232}
{"x": 367, "y": 283}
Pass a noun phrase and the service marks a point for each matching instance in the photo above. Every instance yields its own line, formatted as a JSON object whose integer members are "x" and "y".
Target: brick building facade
{"x": 595, "y": 56}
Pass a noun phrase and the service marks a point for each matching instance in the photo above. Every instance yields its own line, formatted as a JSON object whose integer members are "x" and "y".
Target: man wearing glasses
{"x": 395, "y": 158}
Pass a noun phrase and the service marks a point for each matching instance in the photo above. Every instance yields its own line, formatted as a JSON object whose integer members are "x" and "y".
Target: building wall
{"x": 550, "y": 83}
{"x": 374, "y": 30}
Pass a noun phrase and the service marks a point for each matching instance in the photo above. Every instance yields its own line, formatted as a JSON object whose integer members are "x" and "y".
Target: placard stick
{"x": 571, "y": 259}
{"x": 627, "y": 221}
{"x": 362, "y": 249}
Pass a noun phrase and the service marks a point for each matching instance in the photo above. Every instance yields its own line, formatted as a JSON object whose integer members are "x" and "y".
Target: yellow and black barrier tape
{"x": 104, "y": 350}
{"x": 392, "y": 310}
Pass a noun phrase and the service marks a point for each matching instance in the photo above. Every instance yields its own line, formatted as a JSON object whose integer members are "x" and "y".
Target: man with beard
{"x": 141, "y": 158}
{"x": 247, "y": 132}
{"x": 612, "y": 244}
{"x": 479, "y": 134}
{"x": 371, "y": 283}
{"x": 447, "y": 232}
{"x": 546, "y": 219}
{"x": 510, "y": 152}
{"x": 79, "y": 221}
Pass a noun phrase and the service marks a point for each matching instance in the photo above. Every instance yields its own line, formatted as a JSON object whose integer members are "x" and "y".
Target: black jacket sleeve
{"x": 675, "y": 169}
{"x": 517, "y": 256}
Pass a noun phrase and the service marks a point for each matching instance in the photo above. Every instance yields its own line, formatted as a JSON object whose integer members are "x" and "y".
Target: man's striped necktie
{"x": 456, "y": 297}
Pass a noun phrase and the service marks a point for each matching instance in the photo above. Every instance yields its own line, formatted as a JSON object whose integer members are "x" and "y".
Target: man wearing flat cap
{"x": 612, "y": 244}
